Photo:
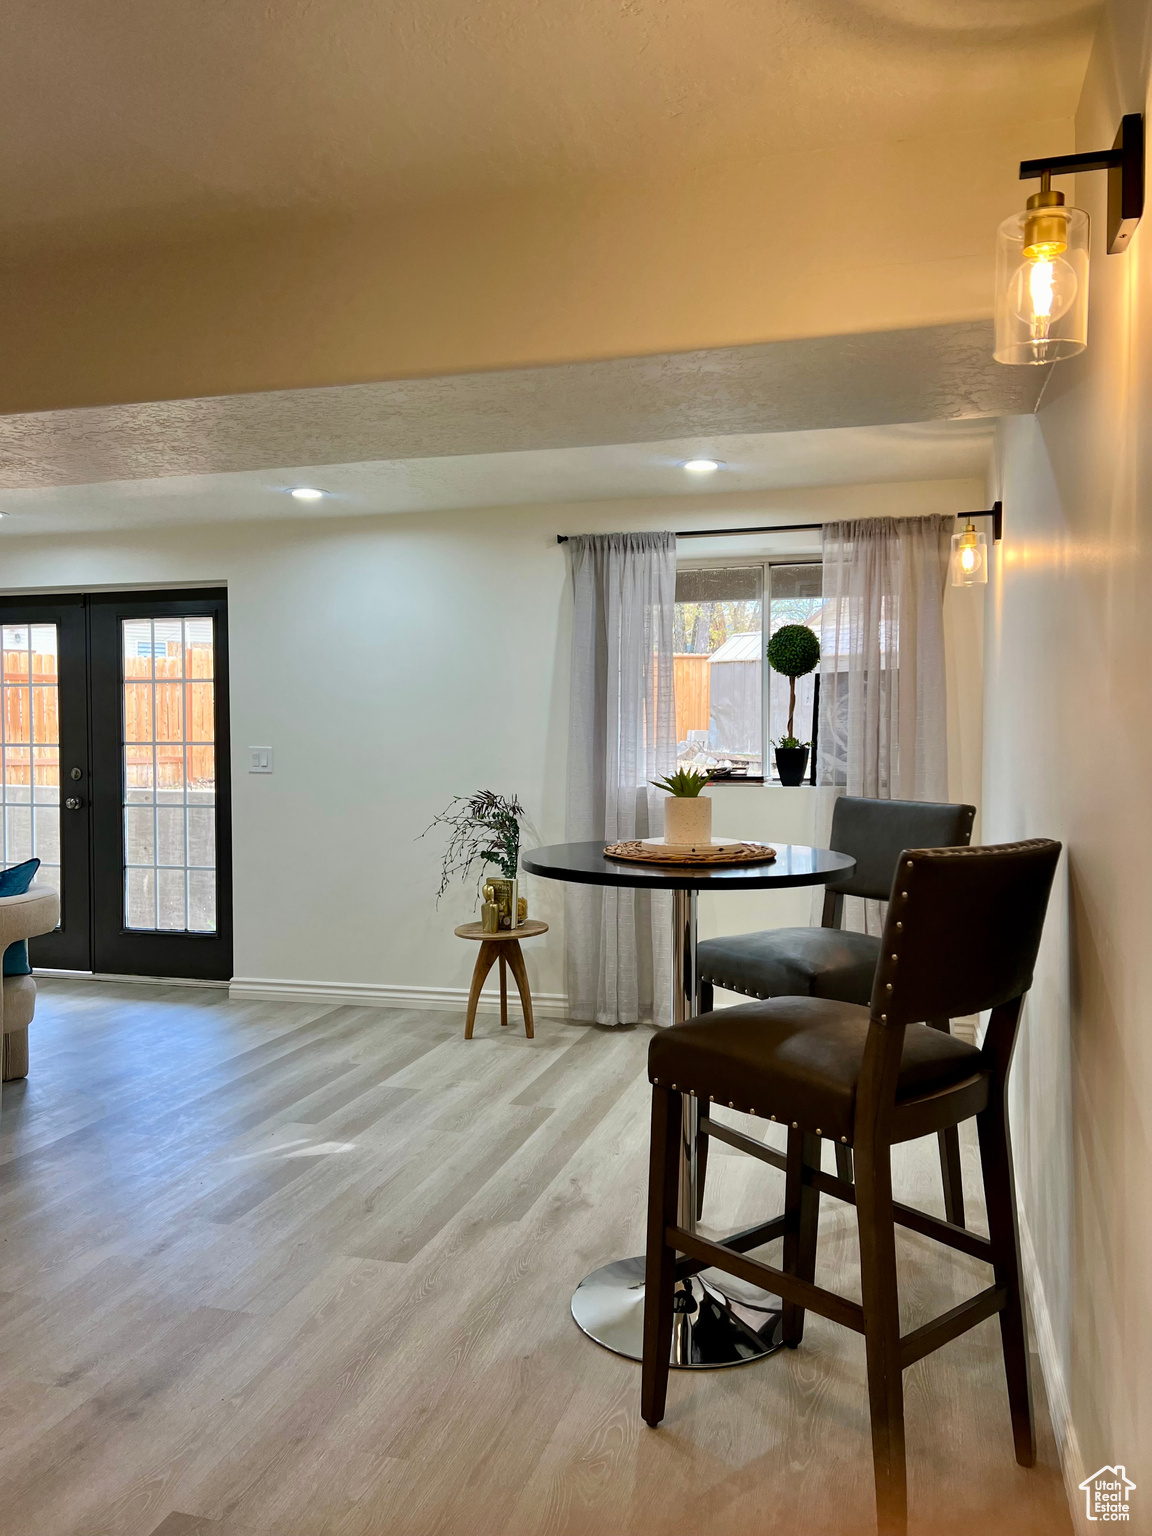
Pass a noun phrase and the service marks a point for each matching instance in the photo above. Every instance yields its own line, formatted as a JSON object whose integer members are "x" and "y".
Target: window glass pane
{"x": 169, "y": 774}
{"x": 719, "y": 647}
{"x": 796, "y": 597}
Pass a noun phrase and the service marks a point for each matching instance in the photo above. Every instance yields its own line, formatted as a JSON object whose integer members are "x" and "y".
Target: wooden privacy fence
{"x": 183, "y": 696}
{"x": 692, "y": 681}
{"x": 175, "y": 713}
{"x": 31, "y": 719}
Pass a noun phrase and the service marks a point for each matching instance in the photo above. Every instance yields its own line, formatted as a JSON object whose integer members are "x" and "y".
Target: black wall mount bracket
{"x": 1124, "y": 163}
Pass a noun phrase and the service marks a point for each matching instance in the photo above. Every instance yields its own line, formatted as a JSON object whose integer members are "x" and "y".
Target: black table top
{"x": 585, "y": 864}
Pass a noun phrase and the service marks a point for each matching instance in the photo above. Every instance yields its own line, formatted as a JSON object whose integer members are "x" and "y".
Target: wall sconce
{"x": 969, "y": 559}
{"x": 1042, "y": 253}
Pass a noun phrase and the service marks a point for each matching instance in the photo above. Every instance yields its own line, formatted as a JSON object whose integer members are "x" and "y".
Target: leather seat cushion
{"x": 793, "y": 962}
{"x": 19, "y": 1002}
{"x": 798, "y": 1059}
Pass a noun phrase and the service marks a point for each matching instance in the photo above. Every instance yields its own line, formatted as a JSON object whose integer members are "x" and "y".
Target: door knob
{"x": 73, "y": 802}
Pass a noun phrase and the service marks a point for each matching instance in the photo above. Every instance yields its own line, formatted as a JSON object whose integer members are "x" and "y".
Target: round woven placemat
{"x": 731, "y": 853}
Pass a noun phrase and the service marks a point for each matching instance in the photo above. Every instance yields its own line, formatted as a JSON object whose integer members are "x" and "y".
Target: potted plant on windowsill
{"x": 687, "y": 813}
{"x": 793, "y": 651}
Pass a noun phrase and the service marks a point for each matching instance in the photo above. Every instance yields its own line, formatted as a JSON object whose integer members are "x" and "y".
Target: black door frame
{"x": 116, "y": 949}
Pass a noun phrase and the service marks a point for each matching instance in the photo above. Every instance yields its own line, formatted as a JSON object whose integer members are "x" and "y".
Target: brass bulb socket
{"x": 1045, "y": 234}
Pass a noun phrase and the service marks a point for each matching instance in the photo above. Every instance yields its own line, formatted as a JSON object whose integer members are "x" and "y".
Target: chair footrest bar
{"x": 943, "y": 1232}
{"x": 849, "y": 1314}
{"x": 743, "y": 1143}
{"x": 941, "y": 1330}
{"x": 739, "y": 1242}
{"x": 908, "y": 1216}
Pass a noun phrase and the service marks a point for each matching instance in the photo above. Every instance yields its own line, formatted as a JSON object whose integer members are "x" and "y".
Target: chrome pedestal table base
{"x": 709, "y": 1328}
{"x": 717, "y": 1320}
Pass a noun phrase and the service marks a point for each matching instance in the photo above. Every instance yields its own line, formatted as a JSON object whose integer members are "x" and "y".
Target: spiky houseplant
{"x": 793, "y": 651}
{"x": 484, "y": 829}
{"x": 685, "y": 783}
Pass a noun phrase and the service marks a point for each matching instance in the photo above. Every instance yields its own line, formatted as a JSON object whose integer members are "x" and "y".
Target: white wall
{"x": 1068, "y": 754}
{"x": 392, "y": 662}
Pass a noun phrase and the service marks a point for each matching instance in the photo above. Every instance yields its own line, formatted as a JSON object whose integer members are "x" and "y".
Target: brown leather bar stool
{"x": 961, "y": 936}
{"x": 830, "y": 961}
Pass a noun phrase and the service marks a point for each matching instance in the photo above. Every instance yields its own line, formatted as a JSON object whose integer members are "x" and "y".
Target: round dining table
{"x": 717, "y": 1322}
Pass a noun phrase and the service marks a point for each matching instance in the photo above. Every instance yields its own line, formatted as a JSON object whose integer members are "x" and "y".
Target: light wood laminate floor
{"x": 294, "y": 1270}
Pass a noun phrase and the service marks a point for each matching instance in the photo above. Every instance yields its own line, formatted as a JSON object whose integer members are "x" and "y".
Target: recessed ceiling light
{"x": 307, "y": 493}
{"x": 701, "y": 466}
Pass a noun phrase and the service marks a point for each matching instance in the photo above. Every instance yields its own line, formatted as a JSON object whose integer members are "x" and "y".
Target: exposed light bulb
{"x": 307, "y": 493}
{"x": 701, "y": 466}
{"x": 969, "y": 559}
{"x": 1042, "y": 291}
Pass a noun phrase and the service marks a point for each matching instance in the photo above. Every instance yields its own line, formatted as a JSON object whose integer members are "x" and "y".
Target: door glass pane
{"x": 718, "y": 669}
{"x": 169, "y": 769}
{"x": 30, "y": 745}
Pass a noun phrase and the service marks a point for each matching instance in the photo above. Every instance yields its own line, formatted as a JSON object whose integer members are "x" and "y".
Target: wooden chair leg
{"x": 1000, "y": 1194}
{"x": 701, "y": 1171}
{"x": 16, "y": 1054}
{"x": 844, "y": 1162}
{"x": 484, "y": 963}
{"x": 706, "y": 996}
{"x": 951, "y": 1175}
{"x": 660, "y": 1270}
{"x": 516, "y": 961}
{"x": 802, "y": 1209}
{"x": 503, "y": 990}
{"x": 881, "y": 1298}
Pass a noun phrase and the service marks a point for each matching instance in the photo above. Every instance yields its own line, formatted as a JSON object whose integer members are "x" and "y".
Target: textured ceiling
{"x": 946, "y": 450}
{"x": 928, "y": 374}
{"x": 133, "y": 118}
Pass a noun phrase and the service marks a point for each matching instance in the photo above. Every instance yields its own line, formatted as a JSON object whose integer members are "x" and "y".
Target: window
{"x": 730, "y": 706}
{"x": 796, "y": 598}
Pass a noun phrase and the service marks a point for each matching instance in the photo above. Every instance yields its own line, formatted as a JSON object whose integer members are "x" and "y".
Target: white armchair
{"x": 22, "y": 917}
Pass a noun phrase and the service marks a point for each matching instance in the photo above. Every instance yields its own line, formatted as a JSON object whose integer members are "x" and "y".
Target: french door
{"x": 114, "y": 728}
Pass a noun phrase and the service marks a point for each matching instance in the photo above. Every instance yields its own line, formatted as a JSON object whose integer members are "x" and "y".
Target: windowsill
{"x": 763, "y": 783}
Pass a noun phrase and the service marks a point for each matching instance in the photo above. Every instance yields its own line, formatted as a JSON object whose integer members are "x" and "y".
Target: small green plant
{"x": 793, "y": 651}
{"x": 482, "y": 828}
{"x": 685, "y": 784}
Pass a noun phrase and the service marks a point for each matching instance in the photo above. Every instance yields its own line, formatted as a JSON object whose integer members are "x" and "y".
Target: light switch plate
{"x": 259, "y": 759}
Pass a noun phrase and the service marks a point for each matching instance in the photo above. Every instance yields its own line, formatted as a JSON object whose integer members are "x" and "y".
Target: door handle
{"x": 73, "y": 802}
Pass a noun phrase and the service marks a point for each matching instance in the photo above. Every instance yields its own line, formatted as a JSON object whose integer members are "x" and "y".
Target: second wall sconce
{"x": 1042, "y": 253}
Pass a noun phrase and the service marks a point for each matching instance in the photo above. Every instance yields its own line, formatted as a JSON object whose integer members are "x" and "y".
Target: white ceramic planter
{"x": 688, "y": 820}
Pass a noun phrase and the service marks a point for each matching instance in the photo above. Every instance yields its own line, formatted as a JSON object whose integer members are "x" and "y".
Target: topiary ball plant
{"x": 793, "y": 651}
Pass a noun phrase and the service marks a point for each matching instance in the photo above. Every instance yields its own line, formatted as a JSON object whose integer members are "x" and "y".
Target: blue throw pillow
{"x": 14, "y": 882}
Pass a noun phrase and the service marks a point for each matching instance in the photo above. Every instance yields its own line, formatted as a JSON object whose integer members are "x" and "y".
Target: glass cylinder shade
{"x": 969, "y": 559}
{"x": 1042, "y": 286}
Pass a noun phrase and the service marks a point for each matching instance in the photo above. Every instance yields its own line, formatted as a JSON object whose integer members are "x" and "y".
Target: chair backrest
{"x": 875, "y": 832}
{"x": 962, "y": 930}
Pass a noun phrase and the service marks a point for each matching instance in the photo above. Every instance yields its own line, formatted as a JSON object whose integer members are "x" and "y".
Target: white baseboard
{"x": 147, "y": 981}
{"x": 362, "y": 994}
{"x": 1055, "y": 1383}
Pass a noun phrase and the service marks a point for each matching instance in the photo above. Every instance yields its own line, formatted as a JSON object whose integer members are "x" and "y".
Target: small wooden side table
{"x": 504, "y": 946}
